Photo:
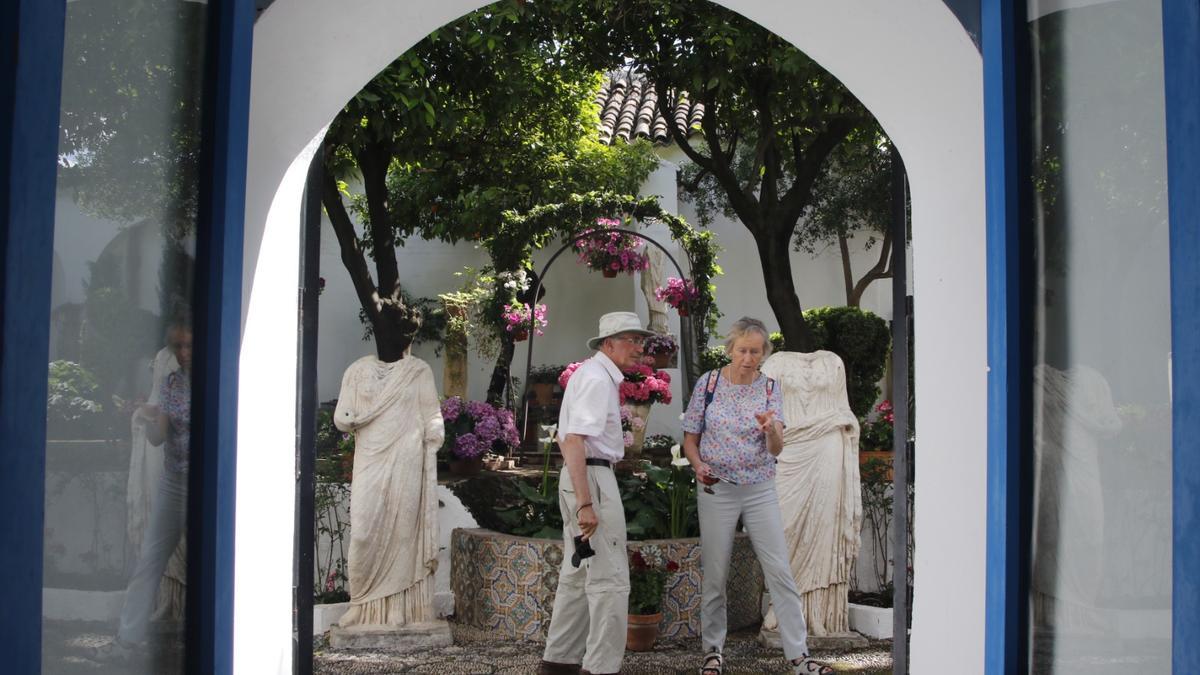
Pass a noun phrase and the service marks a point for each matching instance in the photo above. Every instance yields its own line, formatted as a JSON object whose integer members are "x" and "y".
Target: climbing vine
{"x": 579, "y": 212}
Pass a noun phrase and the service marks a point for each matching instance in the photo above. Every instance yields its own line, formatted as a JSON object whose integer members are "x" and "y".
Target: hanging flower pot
{"x": 610, "y": 274}
{"x": 520, "y": 335}
{"x": 662, "y": 361}
{"x": 683, "y": 310}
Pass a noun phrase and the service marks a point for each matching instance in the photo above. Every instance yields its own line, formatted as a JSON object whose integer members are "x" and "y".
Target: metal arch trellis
{"x": 685, "y": 321}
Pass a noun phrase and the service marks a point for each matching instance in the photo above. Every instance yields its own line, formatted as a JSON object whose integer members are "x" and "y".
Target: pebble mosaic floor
{"x": 474, "y": 653}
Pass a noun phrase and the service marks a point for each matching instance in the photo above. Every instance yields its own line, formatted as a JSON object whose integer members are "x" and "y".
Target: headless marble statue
{"x": 392, "y": 409}
{"x": 818, "y": 484}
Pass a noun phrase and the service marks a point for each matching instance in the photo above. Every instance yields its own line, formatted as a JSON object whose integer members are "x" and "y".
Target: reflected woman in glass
{"x": 169, "y": 425}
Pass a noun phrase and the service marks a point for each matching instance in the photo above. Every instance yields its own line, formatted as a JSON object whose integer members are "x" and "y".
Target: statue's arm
{"x": 431, "y": 412}
{"x": 345, "y": 415}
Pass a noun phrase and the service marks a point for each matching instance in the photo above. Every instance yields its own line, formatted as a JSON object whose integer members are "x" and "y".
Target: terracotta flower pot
{"x": 520, "y": 335}
{"x": 543, "y": 392}
{"x": 466, "y": 467}
{"x": 610, "y": 273}
{"x": 885, "y": 456}
{"x": 662, "y": 361}
{"x": 642, "y": 631}
{"x": 683, "y": 310}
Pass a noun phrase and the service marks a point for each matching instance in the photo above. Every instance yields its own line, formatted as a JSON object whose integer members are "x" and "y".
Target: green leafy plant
{"x": 713, "y": 358}
{"x": 658, "y": 444}
{"x": 878, "y": 433}
{"x": 863, "y": 341}
{"x": 72, "y": 410}
{"x": 545, "y": 374}
{"x": 331, "y": 504}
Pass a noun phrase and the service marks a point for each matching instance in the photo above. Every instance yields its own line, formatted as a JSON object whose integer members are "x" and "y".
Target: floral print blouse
{"x": 175, "y": 399}
{"x": 730, "y": 441}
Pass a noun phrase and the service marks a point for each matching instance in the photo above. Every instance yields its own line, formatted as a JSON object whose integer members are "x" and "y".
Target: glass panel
{"x": 1100, "y": 597}
{"x": 120, "y": 347}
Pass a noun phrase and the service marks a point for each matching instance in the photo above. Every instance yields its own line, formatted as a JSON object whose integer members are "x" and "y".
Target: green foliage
{"x": 658, "y": 444}
{"x": 511, "y": 504}
{"x": 776, "y": 342}
{"x": 580, "y": 211}
{"x": 772, "y": 116}
{"x": 72, "y": 408}
{"x": 545, "y": 374}
{"x": 713, "y": 358}
{"x": 331, "y": 505}
{"x": 334, "y": 449}
{"x": 863, "y": 341}
{"x": 877, "y": 517}
{"x": 659, "y": 503}
{"x": 130, "y": 122}
{"x": 483, "y": 115}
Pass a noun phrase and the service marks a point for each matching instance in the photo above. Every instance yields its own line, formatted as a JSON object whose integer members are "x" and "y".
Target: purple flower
{"x": 452, "y": 408}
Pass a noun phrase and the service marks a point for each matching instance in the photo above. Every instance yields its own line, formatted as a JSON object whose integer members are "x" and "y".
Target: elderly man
{"x": 587, "y": 627}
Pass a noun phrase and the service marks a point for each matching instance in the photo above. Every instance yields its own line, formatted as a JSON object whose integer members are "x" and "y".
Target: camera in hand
{"x": 583, "y": 550}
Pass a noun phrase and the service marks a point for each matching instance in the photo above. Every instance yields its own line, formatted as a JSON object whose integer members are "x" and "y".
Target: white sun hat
{"x": 617, "y": 322}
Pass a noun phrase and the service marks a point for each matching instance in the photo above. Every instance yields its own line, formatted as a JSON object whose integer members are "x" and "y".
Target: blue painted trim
{"x": 218, "y": 316}
{"x": 1181, "y": 68}
{"x": 31, "y": 32}
{"x": 1003, "y": 33}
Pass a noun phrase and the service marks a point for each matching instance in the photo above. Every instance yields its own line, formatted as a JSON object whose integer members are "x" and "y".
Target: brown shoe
{"x": 551, "y": 668}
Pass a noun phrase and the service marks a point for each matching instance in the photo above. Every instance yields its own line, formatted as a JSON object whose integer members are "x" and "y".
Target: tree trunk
{"x": 847, "y": 271}
{"x": 500, "y": 373}
{"x": 775, "y": 256}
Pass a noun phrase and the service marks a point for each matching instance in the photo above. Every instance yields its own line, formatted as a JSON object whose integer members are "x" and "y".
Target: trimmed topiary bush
{"x": 863, "y": 340}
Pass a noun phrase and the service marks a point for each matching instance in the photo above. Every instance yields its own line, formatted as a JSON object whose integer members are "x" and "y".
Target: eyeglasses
{"x": 632, "y": 339}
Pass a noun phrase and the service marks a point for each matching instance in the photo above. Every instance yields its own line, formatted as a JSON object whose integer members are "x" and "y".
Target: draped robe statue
{"x": 393, "y": 411}
{"x": 818, "y": 485}
{"x": 1074, "y": 414}
{"x": 141, "y": 490}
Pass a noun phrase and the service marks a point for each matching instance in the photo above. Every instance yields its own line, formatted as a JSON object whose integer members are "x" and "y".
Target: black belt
{"x": 596, "y": 461}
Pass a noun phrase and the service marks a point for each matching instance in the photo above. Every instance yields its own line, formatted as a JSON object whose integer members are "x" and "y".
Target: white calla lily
{"x": 677, "y": 458}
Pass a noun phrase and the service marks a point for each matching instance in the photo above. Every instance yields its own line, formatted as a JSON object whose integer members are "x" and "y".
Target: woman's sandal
{"x": 807, "y": 666}
{"x": 714, "y": 663}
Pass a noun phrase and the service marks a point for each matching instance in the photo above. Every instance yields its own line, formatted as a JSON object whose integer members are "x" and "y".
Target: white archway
{"x": 910, "y": 62}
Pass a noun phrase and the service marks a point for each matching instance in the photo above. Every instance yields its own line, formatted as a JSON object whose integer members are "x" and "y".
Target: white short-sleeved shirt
{"x": 591, "y": 408}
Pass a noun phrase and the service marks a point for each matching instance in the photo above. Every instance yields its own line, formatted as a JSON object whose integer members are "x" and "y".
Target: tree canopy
{"x": 764, "y": 101}
{"x": 484, "y": 115}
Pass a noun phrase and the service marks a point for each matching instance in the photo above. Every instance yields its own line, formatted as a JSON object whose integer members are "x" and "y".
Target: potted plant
{"x": 876, "y": 437}
{"x": 648, "y": 573}
{"x": 474, "y": 428}
{"x": 611, "y": 253}
{"x": 642, "y": 387}
{"x": 516, "y": 317}
{"x": 662, "y": 348}
{"x": 658, "y": 445}
{"x": 678, "y": 293}
{"x": 541, "y": 382}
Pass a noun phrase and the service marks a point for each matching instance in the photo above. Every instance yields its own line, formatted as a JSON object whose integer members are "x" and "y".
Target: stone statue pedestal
{"x": 823, "y": 643}
{"x": 392, "y": 638}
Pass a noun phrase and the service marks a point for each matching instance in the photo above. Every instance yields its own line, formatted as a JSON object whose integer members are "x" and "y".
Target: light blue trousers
{"x": 758, "y": 508}
{"x": 167, "y": 520}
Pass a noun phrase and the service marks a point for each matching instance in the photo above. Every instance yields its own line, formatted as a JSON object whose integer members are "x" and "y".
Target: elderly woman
{"x": 733, "y": 429}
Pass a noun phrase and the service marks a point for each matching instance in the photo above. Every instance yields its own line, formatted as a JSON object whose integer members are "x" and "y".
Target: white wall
{"x": 909, "y": 61}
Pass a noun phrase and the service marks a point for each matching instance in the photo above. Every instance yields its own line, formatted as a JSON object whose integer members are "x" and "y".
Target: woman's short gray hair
{"x": 745, "y": 326}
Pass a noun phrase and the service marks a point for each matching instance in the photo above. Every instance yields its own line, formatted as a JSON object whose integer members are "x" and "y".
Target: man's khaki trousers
{"x": 591, "y": 606}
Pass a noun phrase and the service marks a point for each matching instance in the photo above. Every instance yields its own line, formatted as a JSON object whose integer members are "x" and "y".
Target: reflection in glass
{"x": 1100, "y": 597}
{"x": 118, "y": 411}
